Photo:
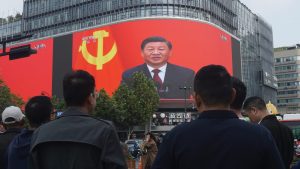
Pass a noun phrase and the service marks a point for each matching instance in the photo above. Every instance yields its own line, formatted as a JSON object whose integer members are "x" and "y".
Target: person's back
{"x": 38, "y": 110}
{"x": 217, "y": 139}
{"x": 18, "y": 150}
{"x": 214, "y": 142}
{"x": 12, "y": 118}
{"x": 283, "y": 137}
{"x": 5, "y": 139}
{"x": 76, "y": 140}
{"x": 255, "y": 108}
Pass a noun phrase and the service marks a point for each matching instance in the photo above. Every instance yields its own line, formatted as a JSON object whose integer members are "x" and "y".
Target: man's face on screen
{"x": 156, "y": 54}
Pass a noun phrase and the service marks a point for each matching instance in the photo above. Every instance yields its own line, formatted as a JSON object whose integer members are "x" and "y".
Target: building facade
{"x": 10, "y": 29}
{"x": 45, "y": 18}
{"x": 287, "y": 68}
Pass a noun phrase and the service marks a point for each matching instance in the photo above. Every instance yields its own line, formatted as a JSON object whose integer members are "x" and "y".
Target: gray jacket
{"x": 75, "y": 141}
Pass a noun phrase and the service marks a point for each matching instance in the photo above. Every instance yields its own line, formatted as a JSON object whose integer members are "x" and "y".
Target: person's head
{"x": 12, "y": 117}
{"x": 241, "y": 92}
{"x": 213, "y": 88}
{"x": 133, "y": 136}
{"x": 255, "y": 108}
{"x": 156, "y": 51}
{"x": 150, "y": 136}
{"x": 79, "y": 90}
{"x": 38, "y": 110}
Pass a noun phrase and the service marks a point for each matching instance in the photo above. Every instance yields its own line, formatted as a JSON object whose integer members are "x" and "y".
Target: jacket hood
{"x": 21, "y": 143}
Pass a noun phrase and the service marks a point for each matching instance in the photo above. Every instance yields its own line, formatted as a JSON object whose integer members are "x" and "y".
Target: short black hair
{"x": 256, "y": 102}
{"x": 38, "y": 110}
{"x": 213, "y": 84}
{"x": 155, "y": 39}
{"x": 240, "y": 95}
{"x": 77, "y": 87}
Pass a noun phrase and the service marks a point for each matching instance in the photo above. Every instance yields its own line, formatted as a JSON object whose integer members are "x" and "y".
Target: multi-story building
{"x": 10, "y": 29}
{"x": 287, "y": 69}
{"x": 51, "y": 17}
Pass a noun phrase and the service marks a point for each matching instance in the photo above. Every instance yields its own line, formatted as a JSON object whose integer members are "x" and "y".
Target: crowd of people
{"x": 219, "y": 138}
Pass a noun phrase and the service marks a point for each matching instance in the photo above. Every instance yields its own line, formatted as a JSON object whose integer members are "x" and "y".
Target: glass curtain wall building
{"x": 50, "y": 17}
{"x": 10, "y": 29}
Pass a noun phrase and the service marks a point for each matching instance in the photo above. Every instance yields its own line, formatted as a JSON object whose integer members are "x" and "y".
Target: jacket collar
{"x": 13, "y": 130}
{"x": 218, "y": 114}
{"x": 73, "y": 111}
{"x": 269, "y": 117}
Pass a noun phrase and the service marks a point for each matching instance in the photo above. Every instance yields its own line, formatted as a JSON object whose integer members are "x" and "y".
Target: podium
{"x": 177, "y": 105}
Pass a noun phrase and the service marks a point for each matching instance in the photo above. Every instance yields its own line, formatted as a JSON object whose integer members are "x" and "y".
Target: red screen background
{"x": 30, "y": 76}
{"x": 195, "y": 44}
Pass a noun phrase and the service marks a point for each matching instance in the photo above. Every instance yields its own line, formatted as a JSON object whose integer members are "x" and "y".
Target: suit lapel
{"x": 146, "y": 71}
{"x": 167, "y": 79}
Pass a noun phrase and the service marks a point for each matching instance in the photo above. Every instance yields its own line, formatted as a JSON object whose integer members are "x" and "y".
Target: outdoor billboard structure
{"x": 107, "y": 51}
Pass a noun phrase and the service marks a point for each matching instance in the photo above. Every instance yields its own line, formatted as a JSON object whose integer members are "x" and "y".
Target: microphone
{"x": 185, "y": 88}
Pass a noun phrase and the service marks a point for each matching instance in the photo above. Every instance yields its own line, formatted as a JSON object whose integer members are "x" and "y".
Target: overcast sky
{"x": 283, "y": 15}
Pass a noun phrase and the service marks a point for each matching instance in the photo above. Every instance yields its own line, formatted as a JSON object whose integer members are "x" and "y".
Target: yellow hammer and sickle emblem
{"x": 101, "y": 59}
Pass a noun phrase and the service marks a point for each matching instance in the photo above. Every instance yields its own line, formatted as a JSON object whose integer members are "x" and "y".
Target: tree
{"x": 106, "y": 108}
{"x": 10, "y": 18}
{"x": 136, "y": 101}
{"x": 3, "y": 21}
{"x": 7, "y": 98}
{"x": 58, "y": 104}
{"x": 18, "y": 16}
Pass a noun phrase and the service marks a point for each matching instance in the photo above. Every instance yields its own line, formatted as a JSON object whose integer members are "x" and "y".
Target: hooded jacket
{"x": 18, "y": 150}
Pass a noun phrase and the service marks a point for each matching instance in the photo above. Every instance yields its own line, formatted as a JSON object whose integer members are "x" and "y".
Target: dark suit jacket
{"x": 283, "y": 137}
{"x": 175, "y": 77}
{"x": 218, "y": 140}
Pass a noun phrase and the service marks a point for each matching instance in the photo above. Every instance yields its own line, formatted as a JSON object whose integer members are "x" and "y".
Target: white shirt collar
{"x": 162, "y": 72}
{"x": 162, "y": 69}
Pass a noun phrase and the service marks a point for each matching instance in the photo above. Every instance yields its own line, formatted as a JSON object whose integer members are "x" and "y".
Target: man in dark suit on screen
{"x": 172, "y": 81}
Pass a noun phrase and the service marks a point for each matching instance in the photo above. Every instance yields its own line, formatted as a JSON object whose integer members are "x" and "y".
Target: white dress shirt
{"x": 162, "y": 72}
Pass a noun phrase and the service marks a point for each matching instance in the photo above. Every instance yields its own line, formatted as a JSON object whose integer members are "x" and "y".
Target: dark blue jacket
{"x": 218, "y": 140}
{"x": 296, "y": 166}
{"x": 18, "y": 150}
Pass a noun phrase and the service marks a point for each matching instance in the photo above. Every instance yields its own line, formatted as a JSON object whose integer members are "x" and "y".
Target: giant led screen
{"x": 175, "y": 48}
{"x": 30, "y": 76}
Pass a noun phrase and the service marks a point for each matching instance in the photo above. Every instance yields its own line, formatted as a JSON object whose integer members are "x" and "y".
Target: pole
{"x": 185, "y": 98}
{"x": 184, "y": 103}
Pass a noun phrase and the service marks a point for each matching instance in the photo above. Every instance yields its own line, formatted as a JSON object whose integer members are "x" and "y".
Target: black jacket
{"x": 283, "y": 137}
{"x": 5, "y": 139}
{"x": 218, "y": 140}
{"x": 76, "y": 141}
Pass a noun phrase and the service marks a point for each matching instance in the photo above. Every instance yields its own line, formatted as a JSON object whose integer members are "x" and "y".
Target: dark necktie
{"x": 156, "y": 78}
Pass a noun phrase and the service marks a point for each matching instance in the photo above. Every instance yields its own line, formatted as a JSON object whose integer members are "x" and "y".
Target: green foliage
{"x": 137, "y": 101}
{"x": 105, "y": 108}
{"x": 18, "y": 16}
{"x": 131, "y": 104}
{"x": 3, "y": 21}
{"x": 10, "y": 18}
{"x": 58, "y": 104}
{"x": 7, "y": 98}
{"x": 126, "y": 104}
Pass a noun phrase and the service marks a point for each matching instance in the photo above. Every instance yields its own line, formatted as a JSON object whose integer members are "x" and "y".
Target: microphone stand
{"x": 185, "y": 106}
